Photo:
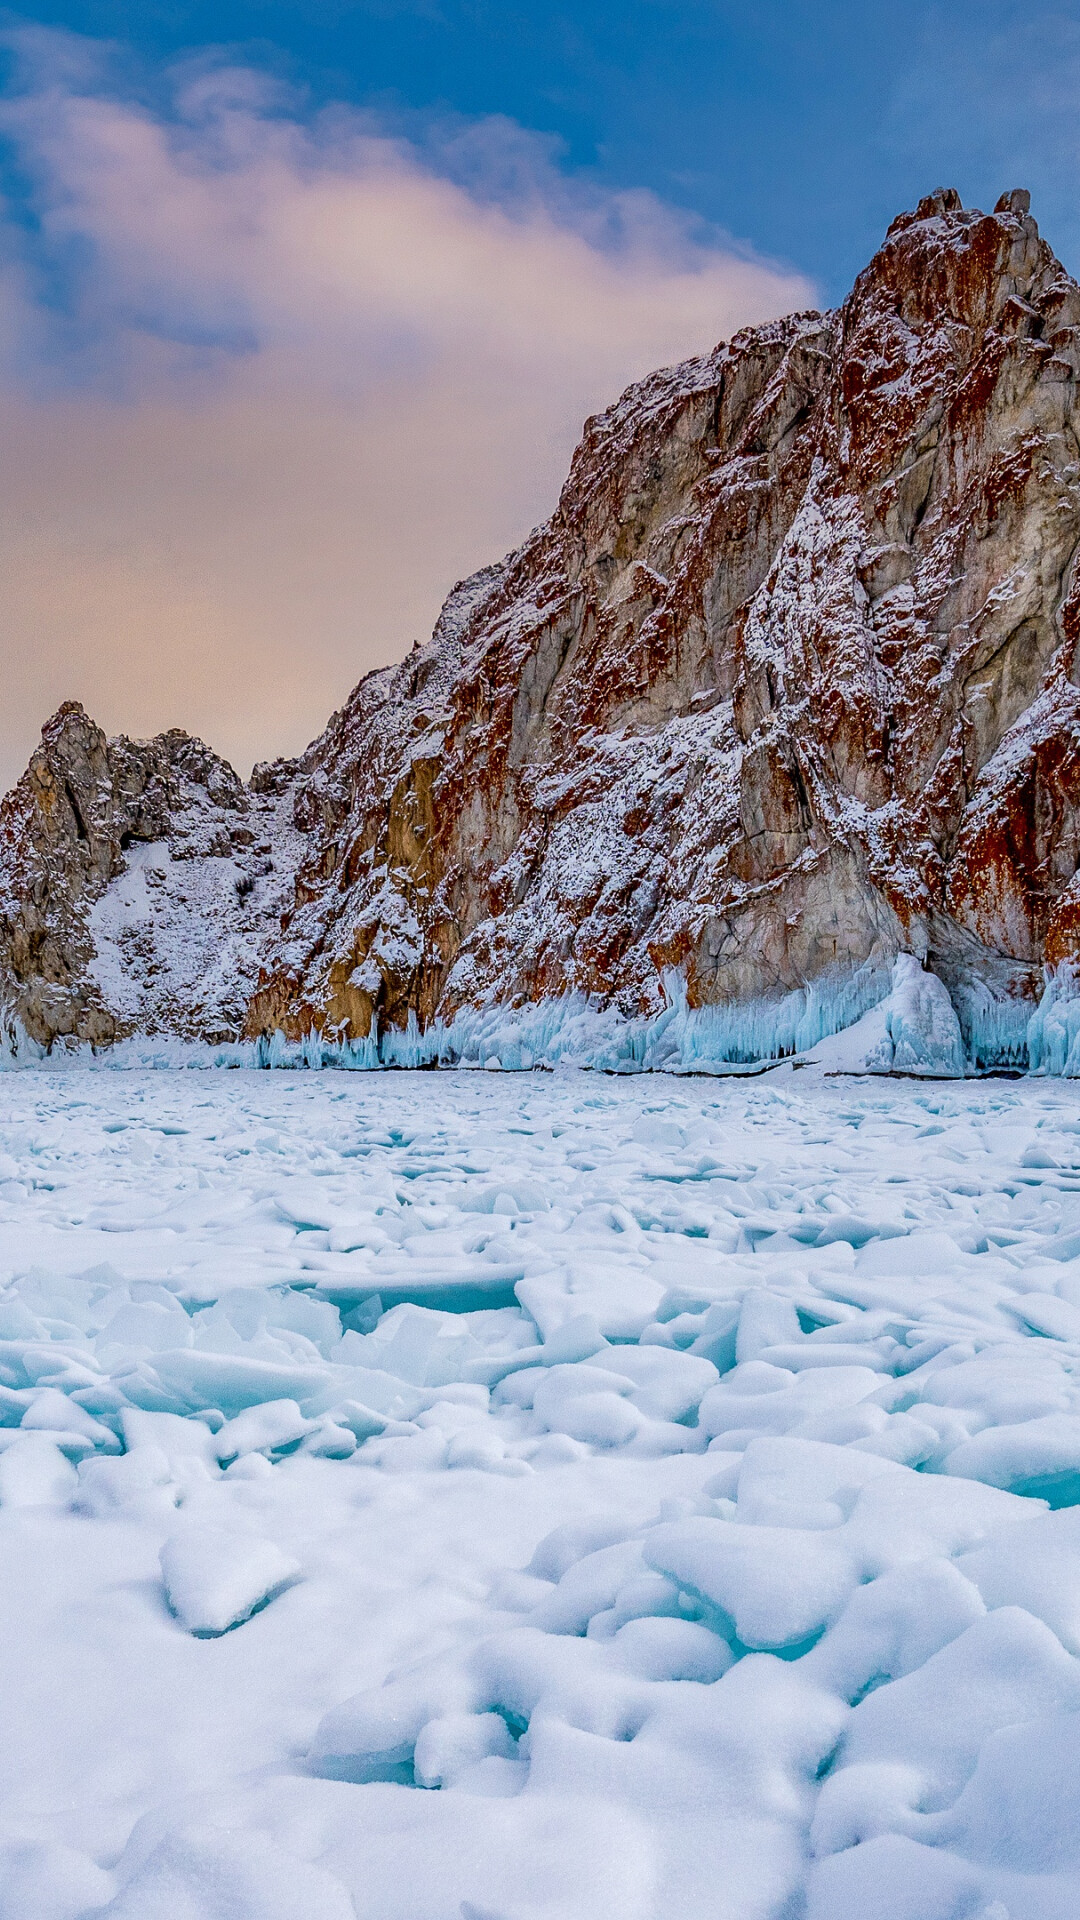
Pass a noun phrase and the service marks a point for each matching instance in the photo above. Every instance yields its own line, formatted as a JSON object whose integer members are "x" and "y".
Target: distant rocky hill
{"x": 788, "y": 684}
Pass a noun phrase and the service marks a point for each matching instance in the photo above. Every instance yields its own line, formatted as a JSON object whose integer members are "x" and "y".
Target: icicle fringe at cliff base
{"x": 997, "y": 1032}
{"x": 917, "y": 1029}
{"x": 1053, "y": 1035}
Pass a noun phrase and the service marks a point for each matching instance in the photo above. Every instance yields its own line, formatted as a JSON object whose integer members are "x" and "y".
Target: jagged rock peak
{"x": 786, "y": 684}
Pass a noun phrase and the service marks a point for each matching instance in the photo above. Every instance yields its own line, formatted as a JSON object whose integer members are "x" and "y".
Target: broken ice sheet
{"x": 482, "y": 1598}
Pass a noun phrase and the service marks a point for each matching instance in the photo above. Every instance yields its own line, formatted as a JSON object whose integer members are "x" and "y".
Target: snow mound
{"x": 215, "y": 1580}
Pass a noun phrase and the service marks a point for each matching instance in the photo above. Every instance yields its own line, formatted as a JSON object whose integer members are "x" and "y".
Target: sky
{"x": 303, "y": 302}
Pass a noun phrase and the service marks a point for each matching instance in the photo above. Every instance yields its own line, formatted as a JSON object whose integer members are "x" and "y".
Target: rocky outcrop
{"x": 786, "y": 685}
{"x": 137, "y": 880}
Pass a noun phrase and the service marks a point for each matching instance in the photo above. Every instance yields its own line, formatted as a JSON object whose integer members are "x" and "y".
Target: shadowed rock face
{"x": 788, "y": 682}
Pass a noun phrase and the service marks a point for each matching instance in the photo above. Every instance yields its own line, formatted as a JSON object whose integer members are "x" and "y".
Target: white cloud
{"x": 269, "y": 384}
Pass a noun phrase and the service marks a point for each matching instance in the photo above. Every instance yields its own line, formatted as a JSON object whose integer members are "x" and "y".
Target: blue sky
{"x": 798, "y": 127}
{"x": 303, "y": 302}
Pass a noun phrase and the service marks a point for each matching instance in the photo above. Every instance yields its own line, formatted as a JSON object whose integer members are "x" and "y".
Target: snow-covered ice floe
{"x": 464, "y": 1497}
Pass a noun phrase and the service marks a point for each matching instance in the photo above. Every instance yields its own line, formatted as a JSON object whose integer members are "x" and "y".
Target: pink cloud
{"x": 303, "y": 376}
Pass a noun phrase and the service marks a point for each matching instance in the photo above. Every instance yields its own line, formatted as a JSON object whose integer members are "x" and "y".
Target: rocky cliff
{"x": 786, "y": 685}
{"x": 138, "y": 887}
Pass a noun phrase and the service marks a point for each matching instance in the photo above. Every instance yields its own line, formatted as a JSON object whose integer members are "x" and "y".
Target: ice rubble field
{"x": 691, "y": 1526}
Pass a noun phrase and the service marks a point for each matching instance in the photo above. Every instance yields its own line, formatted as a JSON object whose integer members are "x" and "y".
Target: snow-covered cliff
{"x": 787, "y": 685}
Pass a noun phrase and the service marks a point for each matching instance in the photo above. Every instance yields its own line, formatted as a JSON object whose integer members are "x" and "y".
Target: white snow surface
{"x": 539, "y": 1497}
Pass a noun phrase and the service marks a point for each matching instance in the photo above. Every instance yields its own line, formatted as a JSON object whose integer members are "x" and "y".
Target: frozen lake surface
{"x": 538, "y": 1497}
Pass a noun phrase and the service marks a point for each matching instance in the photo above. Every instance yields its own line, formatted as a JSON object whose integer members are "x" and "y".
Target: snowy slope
{"x": 178, "y": 919}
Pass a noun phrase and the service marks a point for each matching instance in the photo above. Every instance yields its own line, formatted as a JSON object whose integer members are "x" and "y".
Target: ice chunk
{"x": 232, "y": 1381}
{"x": 803, "y": 1483}
{"x": 671, "y": 1649}
{"x": 1035, "y": 1565}
{"x": 1037, "y": 1457}
{"x": 249, "y": 1312}
{"x": 904, "y": 1516}
{"x": 362, "y": 1422}
{"x": 588, "y": 1587}
{"x": 449, "y": 1747}
{"x": 764, "y": 1319}
{"x": 145, "y": 1327}
{"x": 485, "y": 1452}
{"x": 718, "y": 1335}
{"x": 760, "y": 1398}
{"x": 892, "y": 1625}
{"x": 250, "y": 1466}
{"x": 54, "y": 1412}
{"x": 1045, "y": 1313}
{"x": 1005, "y": 1385}
{"x": 373, "y": 1735}
{"x": 652, "y": 1130}
{"x": 644, "y": 1596}
{"x": 575, "y": 1339}
{"x": 419, "y": 1344}
{"x": 566, "y": 1545}
{"x": 325, "y": 1440}
{"x": 417, "y": 1451}
{"x": 375, "y": 1392}
{"x": 1021, "y": 1808}
{"x": 587, "y": 1403}
{"x": 276, "y": 1423}
{"x": 13, "y": 1404}
{"x": 180, "y": 1438}
{"x": 214, "y": 1579}
{"x": 779, "y": 1587}
{"x": 597, "y": 1419}
{"x": 139, "y": 1484}
{"x": 929, "y": 1725}
{"x": 901, "y": 1437}
{"x": 667, "y": 1385}
{"x": 620, "y": 1298}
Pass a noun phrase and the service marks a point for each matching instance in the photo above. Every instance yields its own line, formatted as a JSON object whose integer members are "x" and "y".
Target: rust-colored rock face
{"x": 788, "y": 681}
